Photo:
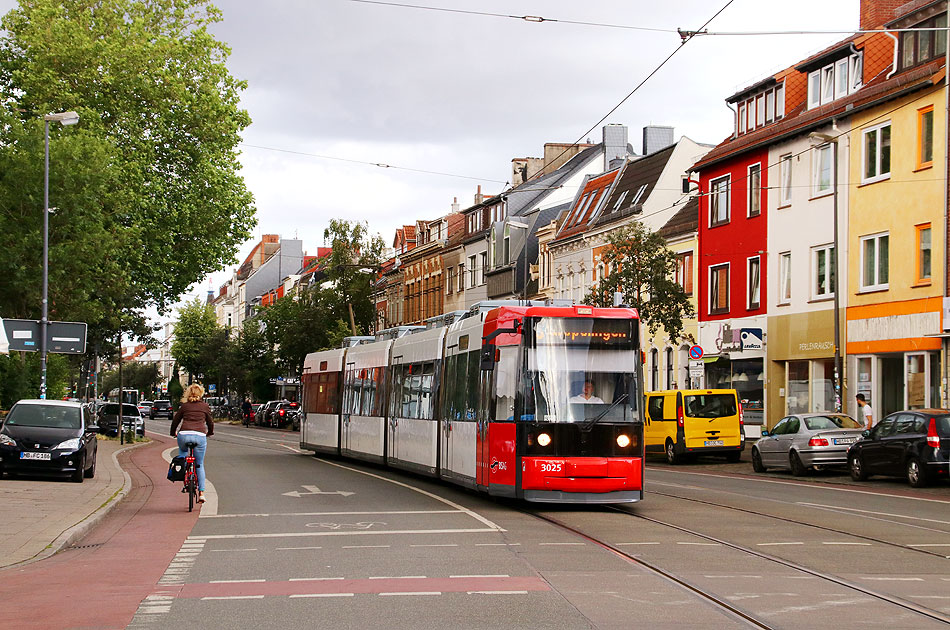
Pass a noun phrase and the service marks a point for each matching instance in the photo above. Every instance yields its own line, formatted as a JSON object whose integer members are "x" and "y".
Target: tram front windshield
{"x": 582, "y": 370}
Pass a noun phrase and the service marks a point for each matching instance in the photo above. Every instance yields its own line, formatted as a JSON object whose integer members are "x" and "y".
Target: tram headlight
{"x": 544, "y": 439}
{"x": 623, "y": 440}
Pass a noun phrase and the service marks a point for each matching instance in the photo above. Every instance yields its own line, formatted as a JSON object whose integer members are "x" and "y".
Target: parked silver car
{"x": 806, "y": 440}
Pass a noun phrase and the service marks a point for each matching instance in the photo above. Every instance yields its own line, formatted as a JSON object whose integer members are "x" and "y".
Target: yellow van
{"x": 694, "y": 422}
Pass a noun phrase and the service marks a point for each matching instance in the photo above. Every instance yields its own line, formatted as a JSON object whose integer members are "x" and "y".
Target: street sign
{"x": 696, "y": 369}
{"x": 212, "y": 387}
{"x": 61, "y": 337}
{"x": 696, "y": 352}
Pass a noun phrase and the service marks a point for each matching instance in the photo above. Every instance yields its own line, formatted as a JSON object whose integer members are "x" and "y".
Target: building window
{"x": 923, "y": 253}
{"x": 654, "y": 369}
{"x": 684, "y": 271}
{"x": 754, "y": 283}
{"x": 449, "y": 280}
{"x": 925, "y": 137}
{"x": 921, "y": 46}
{"x": 719, "y": 201}
{"x": 877, "y": 153}
{"x": 742, "y": 118}
{"x": 785, "y": 180}
{"x": 823, "y": 265}
{"x": 755, "y": 190}
{"x": 822, "y": 172}
{"x": 461, "y": 278}
{"x": 874, "y": 255}
{"x": 761, "y": 109}
{"x": 834, "y": 81}
{"x": 472, "y": 272}
{"x": 669, "y": 368}
{"x": 484, "y": 269}
{"x": 719, "y": 289}
{"x": 638, "y": 198}
{"x": 506, "y": 245}
{"x": 785, "y": 277}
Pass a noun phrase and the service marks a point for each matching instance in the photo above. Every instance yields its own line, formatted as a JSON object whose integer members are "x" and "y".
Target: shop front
{"x": 802, "y": 364}
{"x": 734, "y": 358}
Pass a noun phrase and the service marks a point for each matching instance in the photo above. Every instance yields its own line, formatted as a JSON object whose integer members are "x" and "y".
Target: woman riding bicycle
{"x": 194, "y": 415}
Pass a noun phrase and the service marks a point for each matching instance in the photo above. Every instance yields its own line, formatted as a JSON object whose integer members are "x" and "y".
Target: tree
{"x": 642, "y": 268}
{"x": 175, "y": 390}
{"x": 141, "y": 377}
{"x": 147, "y": 186}
{"x": 194, "y": 331}
{"x": 350, "y": 270}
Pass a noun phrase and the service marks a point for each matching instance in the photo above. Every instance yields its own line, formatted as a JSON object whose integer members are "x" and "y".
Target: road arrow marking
{"x": 315, "y": 490}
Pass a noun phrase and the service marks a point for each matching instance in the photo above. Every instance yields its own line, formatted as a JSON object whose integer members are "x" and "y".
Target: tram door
{"x": 482, "y": 443}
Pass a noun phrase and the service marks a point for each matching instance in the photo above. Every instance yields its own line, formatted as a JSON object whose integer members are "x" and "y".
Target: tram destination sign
{"x": 23, "y": 335}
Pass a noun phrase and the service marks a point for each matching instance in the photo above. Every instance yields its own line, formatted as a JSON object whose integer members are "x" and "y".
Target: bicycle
{"x": 191, "y": 476}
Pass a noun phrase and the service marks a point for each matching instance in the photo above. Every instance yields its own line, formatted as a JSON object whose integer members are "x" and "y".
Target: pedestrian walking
{"x": 867, "y": 414}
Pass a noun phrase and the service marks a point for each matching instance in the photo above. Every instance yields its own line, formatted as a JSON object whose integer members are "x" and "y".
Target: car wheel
{"x": 757, "y": 464}
{"x": 77, "y": 475}
{"x": 91, "y": 471}
{"x": 916, "y": 475}
{"x": 795, "y": 463}
{"x": 671, "y": 456}
{"x": 856, "y": 466}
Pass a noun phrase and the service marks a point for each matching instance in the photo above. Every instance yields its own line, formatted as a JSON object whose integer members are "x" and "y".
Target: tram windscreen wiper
{"x": 596, "y": 419}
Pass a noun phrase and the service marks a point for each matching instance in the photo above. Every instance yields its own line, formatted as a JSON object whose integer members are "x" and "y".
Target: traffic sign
{"x": 61, "y": 337}
{"x": 696, "y": 352}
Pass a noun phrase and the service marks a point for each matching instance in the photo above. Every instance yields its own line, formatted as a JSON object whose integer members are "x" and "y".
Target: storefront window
{"x": 749, "y": 383}
{"x": 864, "y": 381}
{"x": 935, "y": 400}
{"x": 916, "y": 381}
{"x": 823, "y": 388}
{"x": 796, "y": 392}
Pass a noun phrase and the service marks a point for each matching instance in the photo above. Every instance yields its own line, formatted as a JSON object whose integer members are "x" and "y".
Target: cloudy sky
{"x": 463, "y": 94}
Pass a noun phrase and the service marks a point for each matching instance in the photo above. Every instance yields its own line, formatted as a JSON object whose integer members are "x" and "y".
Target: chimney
{"x": 479, "y": 197}
{"x": 656, "y": 137}
{"x": 615, "y": 144}
{"x": 455, "y": 205}
{"x": 876, "y": 13}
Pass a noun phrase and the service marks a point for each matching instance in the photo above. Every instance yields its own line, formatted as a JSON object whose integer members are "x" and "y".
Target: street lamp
{"x": 65, "y": 119}
{"x": 524, "y": 256}
{"x": 833, "y": 140}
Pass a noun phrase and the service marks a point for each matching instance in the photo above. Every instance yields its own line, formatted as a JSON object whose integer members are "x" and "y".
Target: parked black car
{"x": 264, "y": 416}
{"x": 49, "y": 436}
{"x": 131, "y": 419}
{"x": 162, "y": 409}
{"x": 913, "y": 444}
{"x": 287, "y": 413}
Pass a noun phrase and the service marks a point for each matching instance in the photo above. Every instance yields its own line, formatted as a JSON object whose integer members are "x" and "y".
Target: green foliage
{"x": 641, "y": 267}
{"x": 20, "y": 377}
{"x": 350, "y": 271}
{"x": 194, "y": 331}
{"x": 142, "y": 377}
{"x": 147, "y": 185}
{"x": 175, "y": 390}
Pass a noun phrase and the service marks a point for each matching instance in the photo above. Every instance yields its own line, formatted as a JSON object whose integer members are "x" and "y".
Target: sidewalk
{"x": 40, "y": 516}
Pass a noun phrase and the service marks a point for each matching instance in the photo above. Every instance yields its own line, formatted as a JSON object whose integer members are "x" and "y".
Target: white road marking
{"x": 850, "y": 509}
{"x": 637, "y": 543}
{"x": 931, "y": 597}
{"x": 351, "y": 533}
{"x": 314, "y": 579}
{"x": 296, "y": 548}
{"x": 775, "y": 544}
{"x": 291, "y": 448}
{"x": 895, "y": 579}
{"x": 474, "y": 515}
{"x": 415, "y": 593}
{"x": 497, "y": 592}
{"x": 857, "y": 544}
{"x": 234, "y": 597}
{"x": 562, "y": 543}
{"x": 337, "y": 513}
{"x": 792, "y": 483}
{"x": 366, "y": 546}
{"x": 930, "y": 545}
{"x": 479, "y": 576}
{"x": 235, "y": 581}
{"x": 398, "y": 577}
{"x": 151, "y": 610}
{"x": 448, "y": 545}
{"x": 699, "y": 544}
{"x": 322, "y": 595}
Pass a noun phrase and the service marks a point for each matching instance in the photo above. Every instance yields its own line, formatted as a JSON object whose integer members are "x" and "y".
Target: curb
{"x": 81, "y": 528}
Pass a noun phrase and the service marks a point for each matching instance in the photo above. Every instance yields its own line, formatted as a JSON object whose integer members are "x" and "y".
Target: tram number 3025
{"x": 551, "y": 466}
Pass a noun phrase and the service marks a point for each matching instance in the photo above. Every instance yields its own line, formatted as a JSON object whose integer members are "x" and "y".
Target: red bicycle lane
{"x": 99, "y": 581}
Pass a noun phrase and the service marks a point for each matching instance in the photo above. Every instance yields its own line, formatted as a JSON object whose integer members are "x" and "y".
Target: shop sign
{"x": 750, "y": 338}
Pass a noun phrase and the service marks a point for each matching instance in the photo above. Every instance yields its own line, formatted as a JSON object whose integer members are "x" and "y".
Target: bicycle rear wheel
{"x": 192, "y": 493}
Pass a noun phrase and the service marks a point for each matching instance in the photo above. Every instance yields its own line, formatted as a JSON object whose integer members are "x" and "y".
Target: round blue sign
{"x": 696, "y": 352}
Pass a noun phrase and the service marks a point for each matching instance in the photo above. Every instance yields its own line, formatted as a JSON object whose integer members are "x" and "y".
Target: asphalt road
{"x": 296, "y": 541}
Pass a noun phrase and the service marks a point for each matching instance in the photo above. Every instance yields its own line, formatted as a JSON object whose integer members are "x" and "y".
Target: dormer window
{"x": 920, "y": 46}
{"x": 760, "y": 107}
{"x": 835, "y": 80}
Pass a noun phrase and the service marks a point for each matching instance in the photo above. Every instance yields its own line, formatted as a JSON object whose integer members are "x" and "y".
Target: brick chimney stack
{"x": 876, "y": 13}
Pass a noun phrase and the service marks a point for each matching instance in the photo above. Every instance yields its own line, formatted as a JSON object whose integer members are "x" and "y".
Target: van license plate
{"x": 713, "y": 442}
{"x": 34, "y": 455}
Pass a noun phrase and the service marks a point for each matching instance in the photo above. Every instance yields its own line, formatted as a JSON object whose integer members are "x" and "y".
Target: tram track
{"x": 811, "y": 525}
{"x": 719, "y": 602}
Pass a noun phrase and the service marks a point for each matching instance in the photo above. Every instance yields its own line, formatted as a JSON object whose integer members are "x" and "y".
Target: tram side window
{"x": 321, "y": 393}
{"x": 368, "y": 397}
{"x": 460, "y": 376}
{"x": 395, "y": 395}
{"x": 349, "y": 382}
{"x": 506, "y": 379}
{"x": 447, "y": 407}
{"x": 473, "y": 377}
{"x": 426, "y": 383}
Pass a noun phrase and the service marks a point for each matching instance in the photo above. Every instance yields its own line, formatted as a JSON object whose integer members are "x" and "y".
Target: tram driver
{"x": 588, "y": 394}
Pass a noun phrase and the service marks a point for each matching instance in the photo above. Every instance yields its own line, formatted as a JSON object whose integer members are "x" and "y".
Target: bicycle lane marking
{"x": 210, "y": 506}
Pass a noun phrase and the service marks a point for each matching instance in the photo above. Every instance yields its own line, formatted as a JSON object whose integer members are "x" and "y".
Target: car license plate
{"x": 845, "y": 440}
{"x": 713, "y": 442}
{"x": 30, "y": 455}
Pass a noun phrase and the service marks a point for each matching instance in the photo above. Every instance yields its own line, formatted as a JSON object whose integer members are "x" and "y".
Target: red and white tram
{"x": 542, "y": 403}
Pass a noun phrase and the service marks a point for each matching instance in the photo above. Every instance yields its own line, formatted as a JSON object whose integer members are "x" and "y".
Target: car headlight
{"x": 6, "y": 440}
{"x": 68, "y": 445}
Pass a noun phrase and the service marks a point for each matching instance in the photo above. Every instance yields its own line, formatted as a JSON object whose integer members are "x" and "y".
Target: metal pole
{"x": 834, "y": 268}
{"x": 120, "y": 424}
{"x": 44, "y": 303}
